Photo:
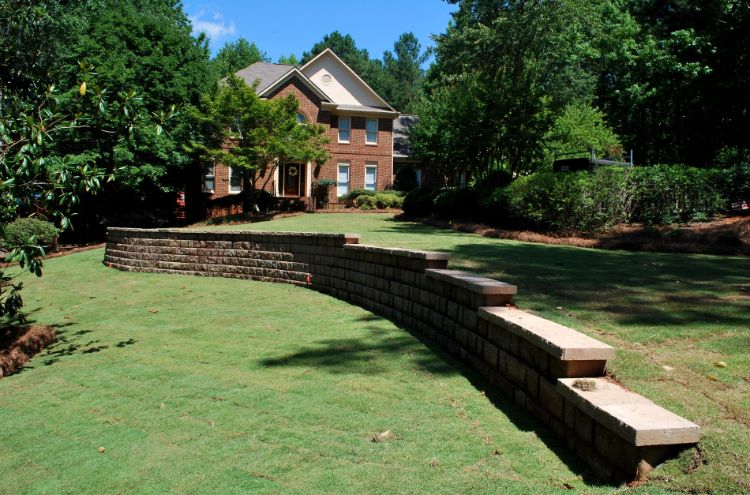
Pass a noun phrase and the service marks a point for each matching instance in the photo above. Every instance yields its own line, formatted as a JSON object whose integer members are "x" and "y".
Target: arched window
{"x": 301, "y": 118}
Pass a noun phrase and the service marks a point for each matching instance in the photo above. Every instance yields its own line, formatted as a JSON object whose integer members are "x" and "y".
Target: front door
{"x": 292, "y": 177}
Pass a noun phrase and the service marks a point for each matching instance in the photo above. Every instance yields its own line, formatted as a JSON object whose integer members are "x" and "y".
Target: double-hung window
{"x": 343, "y": 180}
{"x": 345, "y": 128}
{"x": 371, "y": 176}
{"x": 371, "y": 134}
{"x": 235, "y": 180}
{"x": 208, "y": 179}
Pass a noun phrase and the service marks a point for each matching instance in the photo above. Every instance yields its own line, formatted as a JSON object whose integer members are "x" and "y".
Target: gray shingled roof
{"x": 401, "y": 128}
{"x": 265, "y": 72}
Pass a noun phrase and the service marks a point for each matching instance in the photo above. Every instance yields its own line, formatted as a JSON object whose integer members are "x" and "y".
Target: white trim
{"x": 336, "y": 57}
{"x": 287, "y": 76}
{"x": 377, "y": 130}
{"x": 348, "y": 129}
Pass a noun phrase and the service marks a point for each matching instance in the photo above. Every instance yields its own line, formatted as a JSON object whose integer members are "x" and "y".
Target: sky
{"x": 283, "y": 27}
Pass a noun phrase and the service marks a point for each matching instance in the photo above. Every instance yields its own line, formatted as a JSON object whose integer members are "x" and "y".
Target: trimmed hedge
{"x": 596, "y": 201}
{"x": 378, "y": 201}
{"x": 585, "y": 201}
{"x": 20, "y": 232}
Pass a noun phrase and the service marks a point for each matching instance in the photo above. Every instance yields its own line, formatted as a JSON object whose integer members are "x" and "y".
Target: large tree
{"x": 520, "y": 64}
{"x": 403, "y": 73}
{"x": 143, "y": 48}
{"x": 680, "y": 88}
{"x": 237, "y": 55}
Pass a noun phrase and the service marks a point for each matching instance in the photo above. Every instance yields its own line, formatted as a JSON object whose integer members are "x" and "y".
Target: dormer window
{"x": 345, "y": 127}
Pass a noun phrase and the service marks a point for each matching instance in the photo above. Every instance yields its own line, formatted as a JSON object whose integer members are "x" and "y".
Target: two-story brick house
{"x": 358, "y": 122}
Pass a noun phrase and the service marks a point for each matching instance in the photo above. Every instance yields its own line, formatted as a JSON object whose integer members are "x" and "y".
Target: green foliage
{"x": 455, "y": 202}
{"x": 351, "y": 197}
{"x": 288, "y": 60}
{"x": 675, "y": 193}
{"x": 30, "y": 230}
{"x": 236, "y": 55}
{"x": 419, "y": 202}
{"x": 406, "y": 179}
{"x": 403, "y": 73}
{"x": 377, "y": 200}
{"x": 579, "y": 129}
{"x": 563, "y": 202}
{"x": 584, "y": 201}
{"x": 259, "y": 131}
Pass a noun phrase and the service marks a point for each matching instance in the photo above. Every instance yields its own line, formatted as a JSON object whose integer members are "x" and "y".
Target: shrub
{"x": 381, "y": 201}
{"x": 585, "y": 201}
{"x": 350, "y": 199}
{"x": 264, "y": 200}
{"x": 365, "y": 202}
{"x": 22, "y": 230}
{"x": 419, "y": 202}
{"x": 388, "y": 200}
{"x": 561, "y": 202}
{"x": 676, "y": 193}
{"x": 406, "y": 179}
{"x": 456, "y": 203}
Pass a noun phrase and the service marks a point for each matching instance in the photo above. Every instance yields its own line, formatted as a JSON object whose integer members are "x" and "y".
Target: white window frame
{"x": 367, "y": 131}
{"x": 232, "y": 171}
{"x": 348, "y": 182}
{"x": 209, "y": 172}
{"x": 348, "y": 129}
{"x": 369, "y": 166}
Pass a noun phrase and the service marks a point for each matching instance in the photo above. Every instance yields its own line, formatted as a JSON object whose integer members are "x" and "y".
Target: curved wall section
{"x": 552, "y": 372}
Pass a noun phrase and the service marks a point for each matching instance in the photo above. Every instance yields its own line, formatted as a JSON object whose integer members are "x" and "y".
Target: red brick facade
{"x": 357, "y": 153}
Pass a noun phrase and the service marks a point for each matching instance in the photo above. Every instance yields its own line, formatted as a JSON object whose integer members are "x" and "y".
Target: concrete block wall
{"x": 552, "y": 372}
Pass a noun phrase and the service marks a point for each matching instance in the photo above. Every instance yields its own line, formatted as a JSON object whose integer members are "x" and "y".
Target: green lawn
{"x": 203, "y": 385}
{"x": 659, "y": 309}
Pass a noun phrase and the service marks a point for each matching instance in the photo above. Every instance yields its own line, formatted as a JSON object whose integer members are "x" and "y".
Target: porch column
{"x": 276, "y": 180}
{"x": 308, "y": 179}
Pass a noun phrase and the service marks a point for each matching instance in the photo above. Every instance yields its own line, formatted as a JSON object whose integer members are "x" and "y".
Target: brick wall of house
{"x": 356, "y": 153}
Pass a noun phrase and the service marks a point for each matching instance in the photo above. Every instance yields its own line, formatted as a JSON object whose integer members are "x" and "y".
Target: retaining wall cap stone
{"x": 561, "y": 342}
{"x": 234, "y": 233}
{"x": 631, "y": 416}
{"x": 406, "y": 253}
{"x": 472, "y": 282}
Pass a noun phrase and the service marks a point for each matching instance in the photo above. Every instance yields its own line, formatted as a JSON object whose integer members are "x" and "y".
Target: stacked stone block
{"x": 552, "y": 372}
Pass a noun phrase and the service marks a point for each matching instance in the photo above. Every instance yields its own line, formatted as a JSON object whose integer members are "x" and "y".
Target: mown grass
{"x": 217, "y": 386}
{"x": 671, "y": 316}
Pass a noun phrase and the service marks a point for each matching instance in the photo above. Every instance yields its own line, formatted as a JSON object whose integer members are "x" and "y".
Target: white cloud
{"x": 214, "y": 29}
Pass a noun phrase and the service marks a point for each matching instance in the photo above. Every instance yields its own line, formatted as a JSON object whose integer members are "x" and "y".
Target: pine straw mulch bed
{"x": 19, "y": 343}
{"x": 726, "y": 236}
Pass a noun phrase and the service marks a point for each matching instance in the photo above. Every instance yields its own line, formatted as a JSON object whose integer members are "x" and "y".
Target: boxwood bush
{"x": 20, "y": 232}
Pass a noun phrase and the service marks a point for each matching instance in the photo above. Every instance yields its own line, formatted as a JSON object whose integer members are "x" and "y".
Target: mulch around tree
{"x": 19, "y": 343}
{"x": 726, "y": 236}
